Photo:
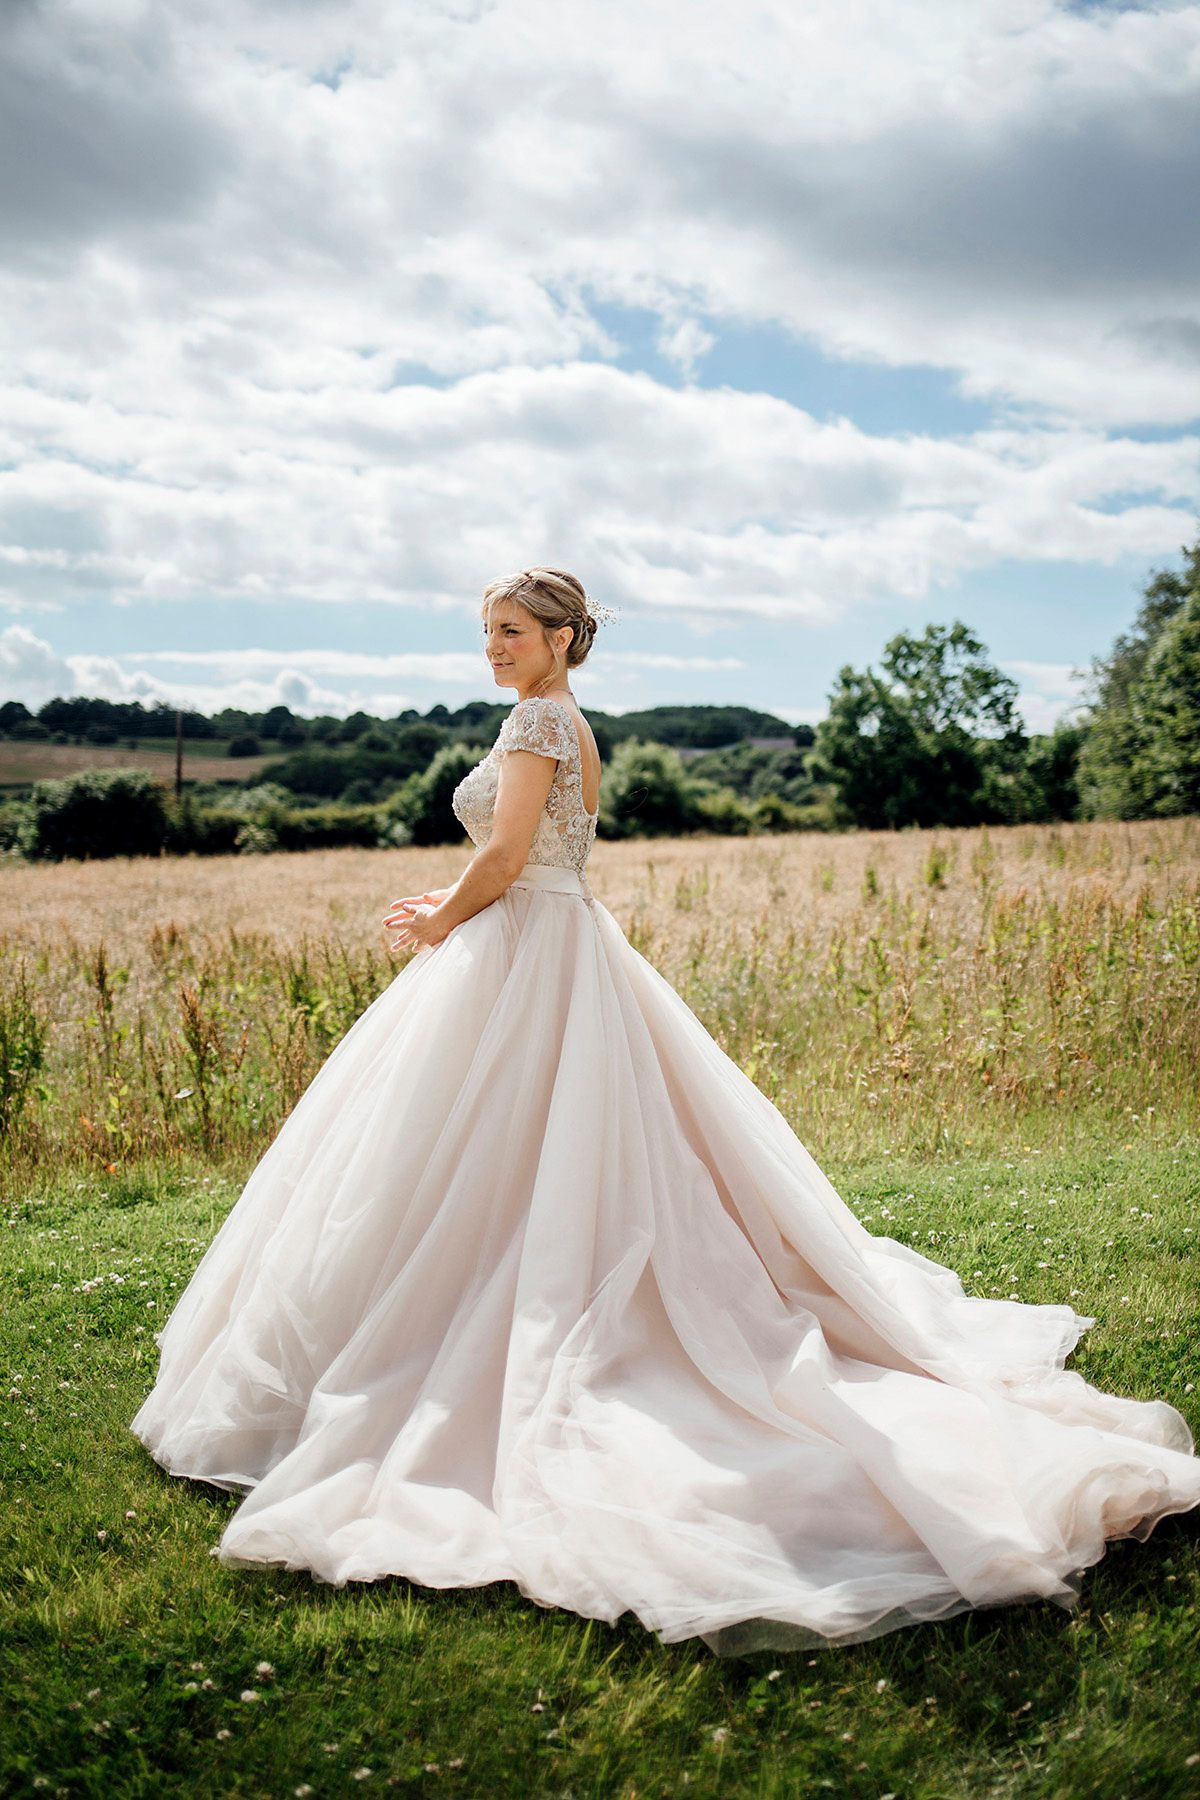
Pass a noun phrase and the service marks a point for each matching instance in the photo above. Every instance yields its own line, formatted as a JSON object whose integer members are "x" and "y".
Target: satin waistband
{"x": 551, "y": 881}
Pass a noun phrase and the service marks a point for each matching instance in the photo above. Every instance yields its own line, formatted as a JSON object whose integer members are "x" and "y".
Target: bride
{"x": 535, "y": 1286}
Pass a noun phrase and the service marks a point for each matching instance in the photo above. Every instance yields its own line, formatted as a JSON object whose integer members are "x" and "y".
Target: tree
{"x": 644, "y": 792}
{"x": 100, "y": 812}
{"x": 1124, "y": 763}
{"x": 934, "y": 739}
{"x": 423, "y": 808}
{"x": 1165, "y": 774}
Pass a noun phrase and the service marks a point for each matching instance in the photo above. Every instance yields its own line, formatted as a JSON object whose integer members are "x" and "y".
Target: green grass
{"x": 125, "y": 1647}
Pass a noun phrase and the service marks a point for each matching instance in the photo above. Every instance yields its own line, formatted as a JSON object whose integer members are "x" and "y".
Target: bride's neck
{"x": 561, "y": 691}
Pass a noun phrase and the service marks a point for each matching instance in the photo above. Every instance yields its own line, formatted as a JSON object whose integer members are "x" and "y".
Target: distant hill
{"x": 361, "y": 759}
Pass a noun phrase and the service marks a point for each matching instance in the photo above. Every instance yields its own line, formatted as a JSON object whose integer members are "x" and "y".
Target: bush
{"x": 197, "y": 831}
{"x": 645, "y": 793}
{"x": 326, "y": 827}
{"x": 422, "y": 810}
{"x": 98, "y": 813}
{"x": 246, "y": 744}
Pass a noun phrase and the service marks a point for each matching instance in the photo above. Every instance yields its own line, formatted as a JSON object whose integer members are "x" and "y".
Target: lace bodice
{"x": 565, "y": 831}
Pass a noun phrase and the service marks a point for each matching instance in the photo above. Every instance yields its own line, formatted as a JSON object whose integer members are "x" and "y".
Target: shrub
{"x": 645, "y": 793}
{"x": 193, "y": 830}
{"x": 422, "y": 812}
{"x": 97, "y": 813}
{"x": 326, "y": 827}
{"x": 246, "y": 744}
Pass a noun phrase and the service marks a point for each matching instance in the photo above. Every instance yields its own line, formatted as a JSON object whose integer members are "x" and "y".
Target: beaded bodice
{"x": 565, "y": 831}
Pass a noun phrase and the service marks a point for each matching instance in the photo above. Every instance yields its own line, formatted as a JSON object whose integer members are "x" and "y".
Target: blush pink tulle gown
{"x": 535, "y": 1286}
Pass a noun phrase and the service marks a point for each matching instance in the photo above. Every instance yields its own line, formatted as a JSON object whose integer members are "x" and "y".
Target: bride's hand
{"x": 400, "y": 910}
{"x": 410, "y": 919}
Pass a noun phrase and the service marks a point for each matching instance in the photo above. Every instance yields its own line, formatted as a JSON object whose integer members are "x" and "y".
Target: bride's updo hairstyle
{"x": 555, "y": 599}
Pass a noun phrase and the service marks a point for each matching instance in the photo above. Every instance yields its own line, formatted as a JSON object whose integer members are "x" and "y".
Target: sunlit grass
{"x": 124, "y": 1656}
{"x": 992, "y": 1041}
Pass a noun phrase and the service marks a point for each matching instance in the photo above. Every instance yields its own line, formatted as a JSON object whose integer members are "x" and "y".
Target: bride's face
{"x": 516, "y": 645}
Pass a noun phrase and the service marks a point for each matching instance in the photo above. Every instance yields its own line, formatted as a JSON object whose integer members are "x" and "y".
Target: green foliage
{"x": 375, "y": 765}
{"x": 422, "y": 811}
{"x": 644, "y": 792}
{"x": 755, "y": 773}
{"x": 22, "y": 1041}
{"x": 697, "y": 727}
{"x": 97, "y": 813}
{"x": 1166, "y": 769}
{"x": 933, "y": 740}
{"x": 1140, "y": 755}
{"x": 1051, "y": 783}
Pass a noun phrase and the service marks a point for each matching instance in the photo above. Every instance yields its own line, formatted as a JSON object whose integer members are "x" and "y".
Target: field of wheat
{"x": 906, "y": 992}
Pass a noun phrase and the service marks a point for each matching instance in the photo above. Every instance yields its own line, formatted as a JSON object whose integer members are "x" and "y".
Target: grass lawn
{"x": 133, "y": 1664}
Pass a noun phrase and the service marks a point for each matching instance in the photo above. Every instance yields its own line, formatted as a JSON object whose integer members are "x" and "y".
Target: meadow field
{"x": 204, "y": 759}
{"x": 992, "y": 1041}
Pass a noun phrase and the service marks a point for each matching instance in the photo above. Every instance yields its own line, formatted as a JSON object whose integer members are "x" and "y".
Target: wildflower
{"x": 720, "y": 1734}
{"x": 302, "y": 1791}
{"x": 222, "y": 1735}
{"x": 774, "y": 1674}
{"x": 363, "y": 1774}
{"x": 329, "y": 1749}
{"x": 191, "y": 1687}
{"x": 456, "y": 1762}
{"x": 133, "y": 1515}
{"x": 881, "y": 1684}
{"x": 265, "y": 1669}
{"x": 102, "y": 1535}
{"x": 208, "y": 1684}
{"x": 248, "y": 1696}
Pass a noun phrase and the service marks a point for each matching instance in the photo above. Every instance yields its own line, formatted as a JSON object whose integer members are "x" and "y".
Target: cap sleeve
{"x": 540, "y": 726}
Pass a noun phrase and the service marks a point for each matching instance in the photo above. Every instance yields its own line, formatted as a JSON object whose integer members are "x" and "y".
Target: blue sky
{"x": 786, "y": 332}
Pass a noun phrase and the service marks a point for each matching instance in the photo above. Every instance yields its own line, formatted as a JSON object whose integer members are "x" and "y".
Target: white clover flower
{"x": 264, "y": 1668}
{"x": 248, "y": 1696}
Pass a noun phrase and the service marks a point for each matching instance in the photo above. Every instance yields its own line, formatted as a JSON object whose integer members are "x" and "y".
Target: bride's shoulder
{"x": 539, "y": 724}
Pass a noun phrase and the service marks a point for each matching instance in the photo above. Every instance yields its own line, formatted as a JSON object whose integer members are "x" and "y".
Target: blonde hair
{"x": 555, "y": 599}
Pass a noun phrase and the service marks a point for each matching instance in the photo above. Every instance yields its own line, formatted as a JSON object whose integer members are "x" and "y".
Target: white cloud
{"x": 697, "y": 502}
{"x": 297, "y": 297}
{"x": 1049, "y": 692}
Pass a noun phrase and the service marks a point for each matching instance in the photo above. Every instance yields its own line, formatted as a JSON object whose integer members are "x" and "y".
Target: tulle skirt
{"x": 535, "y": 1286}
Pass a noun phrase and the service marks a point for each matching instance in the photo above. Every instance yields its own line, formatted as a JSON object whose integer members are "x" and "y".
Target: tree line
{"x": 931, "y": 736}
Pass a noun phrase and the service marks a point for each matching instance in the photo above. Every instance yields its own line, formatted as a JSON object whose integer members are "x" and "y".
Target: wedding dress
{"x": 535, "y": 1286}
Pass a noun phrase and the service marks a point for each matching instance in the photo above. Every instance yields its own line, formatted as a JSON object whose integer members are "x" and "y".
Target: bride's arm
{"x": 521, "y": 795}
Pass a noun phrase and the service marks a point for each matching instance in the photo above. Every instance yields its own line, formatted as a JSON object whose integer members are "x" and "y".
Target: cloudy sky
{"x": 786, "y": 326}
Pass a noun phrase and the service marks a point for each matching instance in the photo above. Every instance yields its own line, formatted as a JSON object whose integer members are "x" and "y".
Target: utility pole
{"x": 179, "y": 754}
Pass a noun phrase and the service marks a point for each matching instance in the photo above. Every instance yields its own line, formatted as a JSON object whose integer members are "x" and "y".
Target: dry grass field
{"x": 22, "y": 764}
{"x": 910, "y": 992}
